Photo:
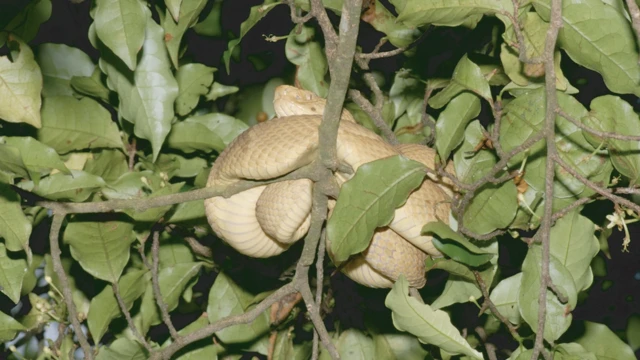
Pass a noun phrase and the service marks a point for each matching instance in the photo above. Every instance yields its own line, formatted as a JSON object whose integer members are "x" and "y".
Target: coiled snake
{"x": 264, "y": 221}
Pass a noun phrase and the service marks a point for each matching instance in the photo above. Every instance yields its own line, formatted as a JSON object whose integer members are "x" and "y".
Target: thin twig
{"x": 602, "y": 134}
{"x": 375, "y": 115}
{"x": 635, "y": 17}
{"x": 54, "y": 234}
{"x": 155, "y": 282}
{"x": 494, "y": 310}
{"x": 127, "y": 315}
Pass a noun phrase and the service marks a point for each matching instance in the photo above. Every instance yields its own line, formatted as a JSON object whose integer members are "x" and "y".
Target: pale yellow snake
{"x": 266, "y": 220}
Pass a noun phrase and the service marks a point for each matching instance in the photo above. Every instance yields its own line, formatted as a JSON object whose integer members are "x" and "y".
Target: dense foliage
{"x": 105, "y": 149}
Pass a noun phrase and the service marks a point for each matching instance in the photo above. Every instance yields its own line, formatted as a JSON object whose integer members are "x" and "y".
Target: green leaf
{"x": 120, "y": 25}
{"x": 450, "y": 266}
{"x": 36, "y": 157}
{"x": 204, "y": 349}
{"x": 20, "y": 85}
{"x": 572, "y": 351}
{"x": 307, "y": 54}
{"x": 69, "y": 124}
{"x": 27, "y": 23}
{"x": 456, "y": 290}
{"x": 193, "y": 81}
{"x": 603, "y": 342}
{"x": 174, "y": 8}
{"x": 101, "y": 247}
{"x": 354, "y": 344}
{"x": 453, "y": 121}
{"x": 174, "y": 279}
{"x": 493, "y": 207}
{"x": 11, "y": 162}
{"x": 91, "y": 85}
{"x": 430, "y": 326}
{"x": 612, "y": 114}
{"x": 15, "y": 228}
{"x": 104, "y": 306}
{"x": 384, "y": 21}
{"x": 59, "y": 63}
{"x": 187, "y": 212}
{"x": 9, "y": 327}
{"x": 175, "y": 29}
{"x": 467, "y": 76}
{"x": 147, "y": 95}
{"x": 574, "y": 244}
{"x": 470, "y": 165}
{"x": 558, "y": 316}
{"x": 598, "y": 37}
{"x": 401, "y": 346}
{"x": 226, "y": 298}
{"x": 76, "y": 187}
{"x": 211, "y": 25}
{"x": 447, "y": 13}
{"x": 108, "y": 164}
{"x": 123, "y": 348}
{"x": 460, "y": 254}
{"x": 368, "y": 200}
{"x": 455, "y": 245}
{"x": 218, "y": 90}
{"x": 207, "y": 132}
{"x": 505, "y": 297}
{"x": 12, "y": 272}
{"x": 255, "y": 14}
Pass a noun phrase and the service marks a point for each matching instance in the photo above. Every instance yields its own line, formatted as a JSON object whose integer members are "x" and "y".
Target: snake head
{"x": 289, "y": 100}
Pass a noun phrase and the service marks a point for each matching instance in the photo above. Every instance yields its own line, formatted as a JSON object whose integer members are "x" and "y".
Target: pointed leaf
{"x": 69, "y": 124}
{"x": 467, "y": 76}
{"x": 20, "y": 86}
{"x": 15, "y": 228}
{"x": 27, "y": 23}
{"x": 193, "y": 81}
{"x": 101, "y": 248}
{"x": 449, "y": 12}
{"x": 175, "y": 29}
{"x": 430, "y": 326}
{"x": 59, "y": 63}
{"x": 120, "y": 25}
{"x": 9, "y": 327}
{"x": 76, "y": 187}
{"x": 104, "y": 308}
{"x": 368, "y": 201}
{"x": 226, "y": 298}
{"x": 558, "y": 315}
{"x": 12, "y": 272}
{"x": 598, "y": 37}
{"x": 603, "y": 342}
{"x": 505, "y": 297}
{"x": 255, "y": 14}
{"x": 148, "y": 100}
{"x": 303, "y": 51}
{"x": 453, "y": 121}
{"x": 36, "y": 156}
{"x": 174, "y": 279}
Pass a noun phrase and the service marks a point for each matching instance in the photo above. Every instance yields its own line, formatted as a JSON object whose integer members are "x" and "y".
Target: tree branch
{"x": 54, "y": 234}
{"x": 549, "y": 133}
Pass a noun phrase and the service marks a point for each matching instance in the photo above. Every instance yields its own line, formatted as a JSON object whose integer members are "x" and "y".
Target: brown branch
{"x": 294, "y": 13}
{"x": 54, "y": 234}
{"x": 209, "y": 330}
{"x": 139, "y": 205}
{"x": 127, "y": 315}
{"x": 375, "y": 115}
{"x": 319, "y": 287}
{"x": 155, "y": 284}
{"x": 494, "y": 310}
{"x": 597, "y": 188}
{"x": 602, "y": 134}
{"x": 330, "y": 36}
{"x": 549, "y": 133}
{"x": 517, "y": 28}
{"x": 132, "y": 154}
{"x": 635, "y": 17}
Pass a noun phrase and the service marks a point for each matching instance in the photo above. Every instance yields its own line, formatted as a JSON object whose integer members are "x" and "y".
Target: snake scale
{"x": 264, "y": 221}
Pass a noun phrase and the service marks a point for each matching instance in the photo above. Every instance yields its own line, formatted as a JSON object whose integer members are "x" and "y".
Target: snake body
{"x": 264, "y": 221}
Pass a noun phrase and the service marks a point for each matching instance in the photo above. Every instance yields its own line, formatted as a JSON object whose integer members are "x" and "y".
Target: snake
{"x": 266, "y": 220}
